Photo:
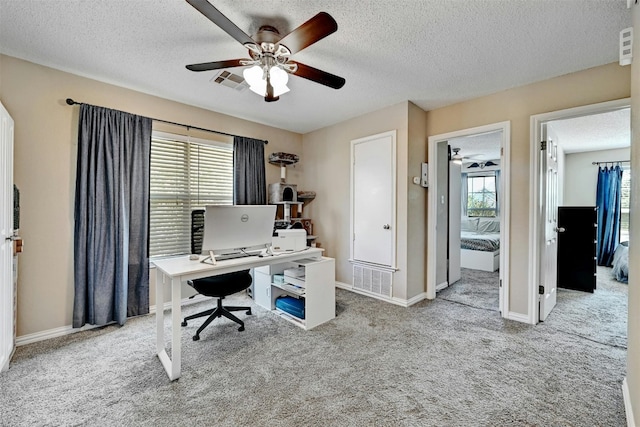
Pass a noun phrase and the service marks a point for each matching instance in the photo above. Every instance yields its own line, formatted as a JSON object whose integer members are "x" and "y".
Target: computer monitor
{"x": 238, "y": 228}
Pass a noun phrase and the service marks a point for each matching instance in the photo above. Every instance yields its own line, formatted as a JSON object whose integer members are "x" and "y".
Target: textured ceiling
{"x": 595, "y": 132}
{"x": 604, "y": 131}
{"x": 430, "y": 52}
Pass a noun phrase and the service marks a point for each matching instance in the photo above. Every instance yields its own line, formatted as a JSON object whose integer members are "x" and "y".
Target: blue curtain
{"x": 249, "y": 182}
{"x": 608, "y": 203}
{"x": 111, "y": 238}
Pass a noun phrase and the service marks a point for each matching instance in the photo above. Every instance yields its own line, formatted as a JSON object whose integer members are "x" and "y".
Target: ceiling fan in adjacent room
{"x": 270, "y": 53}
{"x": 456, "y": 157}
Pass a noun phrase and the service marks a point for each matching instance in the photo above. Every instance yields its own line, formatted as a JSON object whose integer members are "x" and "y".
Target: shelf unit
{"x": 317, "y": 288}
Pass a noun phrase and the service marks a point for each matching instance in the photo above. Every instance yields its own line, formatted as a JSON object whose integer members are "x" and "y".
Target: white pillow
{"x": 489, "y": 225}
{"x": 469, "y": 224}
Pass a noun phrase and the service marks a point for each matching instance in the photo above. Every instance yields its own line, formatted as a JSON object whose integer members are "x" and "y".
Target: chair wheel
{"x": 241, "y": 328}
{"x": 184, "y": 323}
{"x": 196, "y": 337}
{"x": 249, "y": 312}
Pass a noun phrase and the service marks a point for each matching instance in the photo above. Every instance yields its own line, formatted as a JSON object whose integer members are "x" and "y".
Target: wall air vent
{"x": 234, "y": 81}
{"x": 626, "y": 46}
{"x": 372, "y": 280}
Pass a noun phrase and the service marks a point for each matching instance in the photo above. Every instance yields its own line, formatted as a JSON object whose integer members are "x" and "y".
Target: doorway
{"x": 577, "y": 158}
{"x": 438, "y": 201}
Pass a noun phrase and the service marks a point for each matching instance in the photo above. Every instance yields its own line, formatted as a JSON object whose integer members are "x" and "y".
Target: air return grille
{"x": 372, "y": 280}
{"x": 234, "y": 81}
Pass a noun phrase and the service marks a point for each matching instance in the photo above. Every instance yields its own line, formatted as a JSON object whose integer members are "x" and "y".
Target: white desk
{"x": 179, "y": 270}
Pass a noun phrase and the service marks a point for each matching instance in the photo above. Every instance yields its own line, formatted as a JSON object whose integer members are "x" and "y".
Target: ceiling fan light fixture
{"x": 456, "y": 158}
{"x": 278, "y": 78}
{"x": 257, "y": 79}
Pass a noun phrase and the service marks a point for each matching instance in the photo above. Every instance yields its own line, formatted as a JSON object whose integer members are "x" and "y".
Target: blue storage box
{"x": 291, "y": 305}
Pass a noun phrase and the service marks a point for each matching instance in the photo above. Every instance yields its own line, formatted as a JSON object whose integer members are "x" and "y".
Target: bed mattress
{"x": 486, "y": 242}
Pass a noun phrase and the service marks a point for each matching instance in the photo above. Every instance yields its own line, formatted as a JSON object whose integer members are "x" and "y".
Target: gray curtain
{"x": 111, "y": 249}
{"x": 249, "y": 183}
{"x": 464, "y": 190}
{"x": 498, "y": 190}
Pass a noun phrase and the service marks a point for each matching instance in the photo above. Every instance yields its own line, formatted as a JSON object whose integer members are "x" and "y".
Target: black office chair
{"x": 215, "y": 286}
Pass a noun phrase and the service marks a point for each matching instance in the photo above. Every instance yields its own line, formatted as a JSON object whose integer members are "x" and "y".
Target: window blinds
{"x": 185, "y": 175}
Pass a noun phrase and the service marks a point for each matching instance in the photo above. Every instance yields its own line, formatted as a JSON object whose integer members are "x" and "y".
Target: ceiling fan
{"x": 270, "y": 53}
{"x": 456, "y": 157}
{"x": 482, "y": 165}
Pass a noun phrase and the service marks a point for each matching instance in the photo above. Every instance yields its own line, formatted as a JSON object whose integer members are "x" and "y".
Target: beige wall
{"x": 416, "y": 203}
{"x": 44, "y": 165}
{"x": 581, "y": 176}
{"x": 329, "y": 176}
{"x": 517, "y": 105}
{"x": 633, "y": 340}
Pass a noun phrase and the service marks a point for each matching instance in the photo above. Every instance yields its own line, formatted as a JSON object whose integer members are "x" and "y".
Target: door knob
{"x": 560, "y": 229}
{"x": 386, "y": 226}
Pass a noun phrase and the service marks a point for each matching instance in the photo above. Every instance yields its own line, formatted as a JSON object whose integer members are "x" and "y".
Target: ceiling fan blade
{"x": 319, "y": 76}
{"x": 315, "y": 29}
{"x": 216, "y": 65}
{"x": 214, "y": 15}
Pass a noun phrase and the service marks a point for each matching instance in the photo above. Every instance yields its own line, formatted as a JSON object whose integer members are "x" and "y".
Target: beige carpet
{"x": 439, "y": 363}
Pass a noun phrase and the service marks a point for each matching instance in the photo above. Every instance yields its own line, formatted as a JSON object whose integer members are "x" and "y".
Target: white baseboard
{"x": 416, "y": 299}
{"x": 441, "y": 286}
{"x": 628, "y": 408}
{"x": 523, "y": 318}
{"x": 395, "y": 301}
{"x": 66, "y": 330}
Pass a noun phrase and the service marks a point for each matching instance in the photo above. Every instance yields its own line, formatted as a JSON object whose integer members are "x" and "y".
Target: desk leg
{"x": 171, "y": 366}
{"x": 176, "y": 329}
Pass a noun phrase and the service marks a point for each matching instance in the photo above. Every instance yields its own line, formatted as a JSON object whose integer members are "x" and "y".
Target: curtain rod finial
{"x": 71, "y": 101}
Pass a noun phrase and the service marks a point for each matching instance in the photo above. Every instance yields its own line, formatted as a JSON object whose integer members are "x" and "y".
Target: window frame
{"x": 478, "y": 211}
{"x": 185, "y": 197}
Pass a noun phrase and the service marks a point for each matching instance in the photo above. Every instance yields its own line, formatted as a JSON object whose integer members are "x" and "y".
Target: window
{"x": 624, "y": 204}
{"x": 186, "y": 174}
{"x": 481, "y": 195}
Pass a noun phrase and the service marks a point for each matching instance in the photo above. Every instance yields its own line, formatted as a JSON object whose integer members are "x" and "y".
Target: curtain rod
{"x": 72, "y": 102}
{"x": 613, "y": 161}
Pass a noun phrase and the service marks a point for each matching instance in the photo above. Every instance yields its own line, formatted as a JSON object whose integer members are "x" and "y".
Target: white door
{"x": 549, "y": 221}
{"x": 7, "y": 343}
{"x": 373, "y": 199}
{"x": 455, "y": 212}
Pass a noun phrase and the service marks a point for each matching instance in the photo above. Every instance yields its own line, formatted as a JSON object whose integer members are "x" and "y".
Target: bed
{"x": 480, "y": 243}
{"x": 621, "y": 263}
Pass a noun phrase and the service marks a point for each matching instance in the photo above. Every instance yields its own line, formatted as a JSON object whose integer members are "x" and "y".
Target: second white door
{"x": 373, "y": 199}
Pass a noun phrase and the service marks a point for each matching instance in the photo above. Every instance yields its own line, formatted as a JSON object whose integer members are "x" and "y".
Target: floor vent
{"x": 234, "y": 81}
{"x": 372, "y": 280}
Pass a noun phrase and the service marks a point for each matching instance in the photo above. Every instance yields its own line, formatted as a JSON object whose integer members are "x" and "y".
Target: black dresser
{"x": 577, "y": 247}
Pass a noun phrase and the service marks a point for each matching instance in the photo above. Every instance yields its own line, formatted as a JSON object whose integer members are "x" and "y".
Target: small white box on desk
{"x": 291, "y": 239}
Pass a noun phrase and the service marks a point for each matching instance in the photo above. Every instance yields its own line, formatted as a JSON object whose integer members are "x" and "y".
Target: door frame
{"x": 432, "y": 203}
{"x": 535, "y": 228}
